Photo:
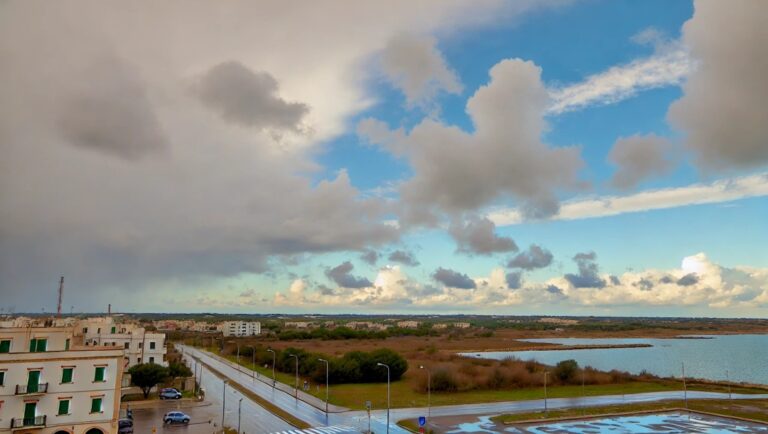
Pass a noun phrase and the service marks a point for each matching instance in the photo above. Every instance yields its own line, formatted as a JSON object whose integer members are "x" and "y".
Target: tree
{"x": 179, "y": 370}
{"x": 566, "y": 370}
{"x": 147, "y": 375}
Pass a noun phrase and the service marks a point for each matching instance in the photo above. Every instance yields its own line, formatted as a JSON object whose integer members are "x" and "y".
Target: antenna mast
{"x": 61, "y": 294}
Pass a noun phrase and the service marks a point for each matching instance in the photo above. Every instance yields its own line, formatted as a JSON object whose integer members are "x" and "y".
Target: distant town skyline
{"x": 525, "y": 158}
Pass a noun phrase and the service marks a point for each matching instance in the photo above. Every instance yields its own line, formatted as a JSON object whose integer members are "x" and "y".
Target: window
{"x": 99, "y": 374}
{"x": 38, "y": 345}
{"x": 95, "y": 405}
{"x": 66, "y": 345}
{"x": 151, "y": 360}
{"x": 66, "y": 375}
{"x": 114, "y": 329}
{"x": 151, "y": 345}
{"x": 85, "y": 330}
{"x": 64, "y": 407}
{"x": 5, "y": 346}
{"x": 126, "y": 345}
{"x": 141, "y": 345}
{"x": 2, "y": 378}
{"x": 98, "y": 331}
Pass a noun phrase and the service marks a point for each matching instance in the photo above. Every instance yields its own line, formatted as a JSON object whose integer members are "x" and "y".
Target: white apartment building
{"x": 241, "y": 328}
{"x": 139, "y": 345}
{"x": 50, "y": 385}
{"x": 408, "y": 324}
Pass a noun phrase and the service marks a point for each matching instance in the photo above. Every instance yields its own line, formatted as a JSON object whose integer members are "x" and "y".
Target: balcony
{"x": 31, "y": 389}
{"x": 28, "y": 422}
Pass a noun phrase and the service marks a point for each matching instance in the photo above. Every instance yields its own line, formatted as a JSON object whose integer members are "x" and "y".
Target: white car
{"x": 175, "y": 417}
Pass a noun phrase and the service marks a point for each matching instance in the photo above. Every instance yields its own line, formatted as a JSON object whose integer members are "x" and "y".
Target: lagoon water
{"x": 743, "y": 357}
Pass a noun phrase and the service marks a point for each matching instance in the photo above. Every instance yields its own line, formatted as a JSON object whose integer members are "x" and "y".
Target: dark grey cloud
{"x": 324, "y": 290}
{"x": 552, "y": 289}
{"x": 723, "y": 108}
{"x": 453, "y": 279}
{"x": 478, "y": 236}
{"x": 688, "y": 280}
{"x": 514, "y": 280}
{"x": 341, "y": 274}
{"x": 639, "y": 157}
{"x": 615, "y": 280}
{"x": 403, "y": 257}
{"x": 369, "y": 257}
{"x": 588, "y": 272}
{"x": 644, "y": 284}
{"x": 249, "y": 98}
{"x": 535, "y": 257}
{"x": 111, "y": 113}
{"x": 666, "y": 279}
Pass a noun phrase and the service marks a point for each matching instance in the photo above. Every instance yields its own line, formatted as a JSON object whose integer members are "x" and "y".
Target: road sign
{"x": 422, "y": 420}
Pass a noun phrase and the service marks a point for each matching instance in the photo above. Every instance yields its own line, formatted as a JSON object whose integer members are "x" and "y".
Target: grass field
{"x": 402, "y": 394}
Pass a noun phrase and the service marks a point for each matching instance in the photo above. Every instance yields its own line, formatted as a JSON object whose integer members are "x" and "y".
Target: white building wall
{"x": 241, "y": 328}
{"x": 80, "y": 392}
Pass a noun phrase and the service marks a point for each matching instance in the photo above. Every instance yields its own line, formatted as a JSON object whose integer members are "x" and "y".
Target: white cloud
{"x": 670, "y": 65}
{"x": 724, "y": 190}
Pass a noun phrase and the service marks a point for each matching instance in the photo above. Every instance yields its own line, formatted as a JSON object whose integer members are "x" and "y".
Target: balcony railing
{"x": 28, "y": 389}
{"x": 25, "y": 422}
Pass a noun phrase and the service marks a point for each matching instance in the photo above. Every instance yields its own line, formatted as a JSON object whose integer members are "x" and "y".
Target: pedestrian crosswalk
{"x": 322, "y": 430}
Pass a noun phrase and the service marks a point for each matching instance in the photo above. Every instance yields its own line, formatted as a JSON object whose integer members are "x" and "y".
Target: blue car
{"x": 175, "y": 417}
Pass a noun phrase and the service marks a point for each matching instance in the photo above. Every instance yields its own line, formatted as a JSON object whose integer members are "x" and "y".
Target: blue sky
{"x": 242, "y": 171}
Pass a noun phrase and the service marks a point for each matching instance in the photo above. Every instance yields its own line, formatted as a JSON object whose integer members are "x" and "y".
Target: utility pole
{"x": 546, "y": 411}
{"x": 326, "y": 385}
{"x": 61, "y": 296}
{"x": 389, "y": 404}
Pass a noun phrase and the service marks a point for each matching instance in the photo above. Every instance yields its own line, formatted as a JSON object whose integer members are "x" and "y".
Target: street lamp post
{"x": 388, "y": 392}
{"x": 728, "y": 380}
{"x": 297, "y": 374}
{"x": 546, "y": 411}
{"x": 238, "y": 355}
{"x": 685, "y": 387}
{"x": 273, "y": 365}
{"x": 239, "y": 412}
{"x": 253, "y": 361}
{"x": 326, "y": 384}
{"x": 223, "y": 403}
{"x": 429, "y": 393}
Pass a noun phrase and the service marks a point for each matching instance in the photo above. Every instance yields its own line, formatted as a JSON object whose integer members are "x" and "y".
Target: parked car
{"x": 170, "y": 393}
{"x": 125, "y": 426}
{"x": 175, "y": 417}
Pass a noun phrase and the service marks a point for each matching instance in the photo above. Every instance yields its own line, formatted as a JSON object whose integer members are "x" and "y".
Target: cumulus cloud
{"x": 457, "y": 171}
{"x": 588, "y": 276}
{"x": 246, "y": 97}
{"x": 414, "y": 65}
{"x": 370, "y": 257}
{"x": 535, "y": 257}
{"x": 477, "y": 235}
{"x": 403, "y": 257}
{"x": 453, "y": 279}
{"x": 110, "y": 112}
{"x": 722, "y": 190}
{"x": 723, "y": 108}
{"x": 341, "y": 275}
{"x": 514, "y": 280}
{"x": 688, "y": 280}
{"x": 638, "y": 158}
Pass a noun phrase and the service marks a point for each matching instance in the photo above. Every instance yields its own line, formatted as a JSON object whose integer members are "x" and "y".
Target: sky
{"x": 547, "y": 157}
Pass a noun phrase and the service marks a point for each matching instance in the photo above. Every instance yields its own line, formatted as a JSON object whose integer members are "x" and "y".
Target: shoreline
{"x": 557, "y": 347}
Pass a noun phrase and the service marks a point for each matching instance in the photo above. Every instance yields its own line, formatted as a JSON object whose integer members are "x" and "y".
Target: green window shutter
{"x": 114, "y": 329}
{"x": 5, "y": 346}
{"x": 42, "y": 345}
{"x": 96, "y": 405}
{"x": 99, "y": 375}
{"x": 63, "y": 406}
{"x": 2, "y": 378}
{"x": 32, "y": 345}
{"x": 66, "y": 375}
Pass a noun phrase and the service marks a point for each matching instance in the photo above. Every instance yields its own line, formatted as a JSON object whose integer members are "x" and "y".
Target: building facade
{"x": 241, "y": 328}
{"x": 50, "y": 385}
{"x": 139, "y": 345}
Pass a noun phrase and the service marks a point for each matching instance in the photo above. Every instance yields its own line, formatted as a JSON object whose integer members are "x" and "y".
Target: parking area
{"x": 149, "y": 419}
